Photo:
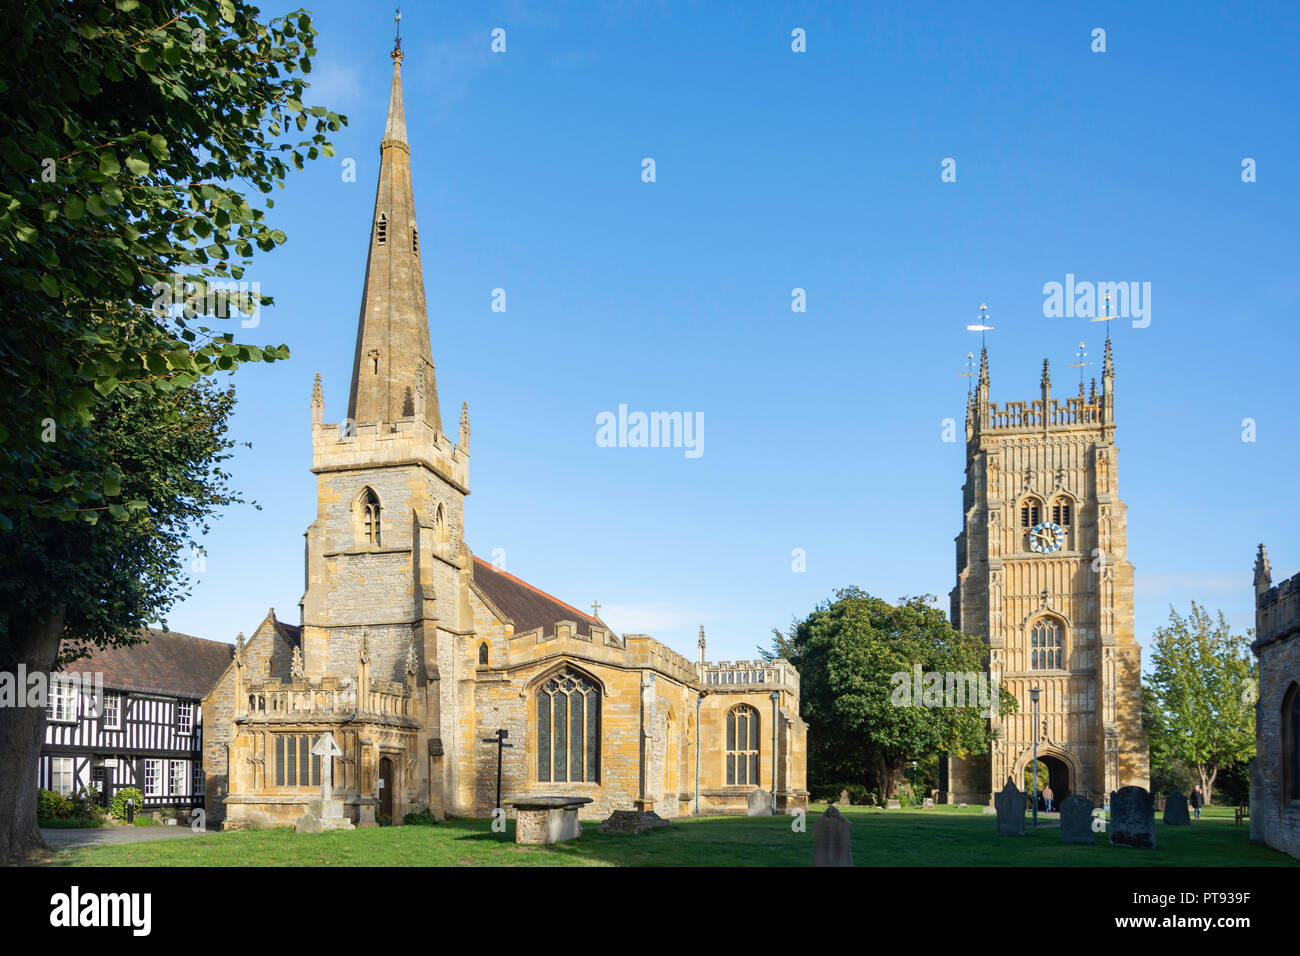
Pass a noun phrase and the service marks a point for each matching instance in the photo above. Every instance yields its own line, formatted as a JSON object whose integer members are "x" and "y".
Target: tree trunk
{"x": 22, "y": 730}
{"x": 891, "y": 771}
{"x": 1208, "y": 772}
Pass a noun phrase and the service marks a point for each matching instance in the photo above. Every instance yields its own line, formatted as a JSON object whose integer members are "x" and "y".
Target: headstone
{"x": 308, "y": 823}
{"x": 760, "y": 803}
{"x": 844, "y": 798}
{"x": 1076, "y": 820}
{"x": 1176, "y": 814}
{"x": 632, "y": 822}
{"x": 893, "y": 804}
{"x": 1132, "y": 818}
{"x": 831, "y": 840}
{"x": 927, "y": 803}
{"x": 1010, "y": 807}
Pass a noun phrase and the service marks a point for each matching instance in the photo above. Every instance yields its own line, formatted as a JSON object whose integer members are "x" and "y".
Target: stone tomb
{"x": 543, "y": 820}
{"x": 1132, "y": 818}
{"x": 760, "y": 803}
{"x": 1010, "y": 807}
{"x": 1076, "y": 820}
{"x": 632, "y": 822}
{"x": 1176, "y": 814}
{"x": 831, "y": 840}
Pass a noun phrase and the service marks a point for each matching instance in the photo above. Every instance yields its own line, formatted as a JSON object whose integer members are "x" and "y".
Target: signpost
{"x": 500, "y": 741}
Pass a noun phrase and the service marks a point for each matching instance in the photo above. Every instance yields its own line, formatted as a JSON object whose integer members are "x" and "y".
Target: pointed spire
{"x": 1046, "y": 380}
{"x": 1263, "y": 573}
{"x": 1092, "y": 397}
{"x": 701, "y": 643}
{"x": 984, "y": 366}
{"x": 464, "y": 425}
{"x": 394, "y": 358}
{"x": 1107, "y": 365}
{"x": 317, "y": 395}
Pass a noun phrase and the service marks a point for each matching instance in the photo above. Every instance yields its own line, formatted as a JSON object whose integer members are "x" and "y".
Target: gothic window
{"x": 1031, "y": 513}
{"x": 368, "y": 517}
{"x": 742, "y": 746}
{"x": 415, "y": 240}
{"x": 440, "y": 526}
{"x": 381, "y": 230}
{"x": 568, "y": 729}
{"x": 1047, "y": 645}
{"x": 1061, "y": 512}
{"x": 1291, "y": 746}
{"x": 483, "y": 655}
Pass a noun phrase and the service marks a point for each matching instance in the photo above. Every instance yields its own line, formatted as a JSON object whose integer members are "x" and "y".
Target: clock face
{"x": 1046, "y": 537}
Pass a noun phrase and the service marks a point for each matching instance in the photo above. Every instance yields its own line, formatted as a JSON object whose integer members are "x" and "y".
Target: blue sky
{"x": 776, "y": 170}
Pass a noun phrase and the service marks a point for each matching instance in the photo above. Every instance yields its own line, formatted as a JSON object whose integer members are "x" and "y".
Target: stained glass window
{"x": 568, "y": 729}
{"x": 743, "y": 744}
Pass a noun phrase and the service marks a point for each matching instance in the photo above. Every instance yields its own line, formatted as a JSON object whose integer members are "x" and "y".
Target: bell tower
{"x": 1043, "y": 577}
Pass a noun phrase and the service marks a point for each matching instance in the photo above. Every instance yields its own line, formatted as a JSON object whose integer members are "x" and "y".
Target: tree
{"x": 853, "y": 655}
{"x": 1199, "y": 705}
{"x": 131, "y": 131}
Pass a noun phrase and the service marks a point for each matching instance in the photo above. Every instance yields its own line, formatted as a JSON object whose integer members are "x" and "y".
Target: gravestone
{"x": 831, "y": 840}
{"x": 632, "y": 822}
{"x": 893, "y": 804}
{"x": 760, "y": 803}
{"x": 1132, "y": 818}
{"x": 1009, "y": 805}
{"x": 1076, "y": 820}
{"x": 1176, "y": 814}
{"x": 927, "y": 803}
{"x": 844, "y": 797}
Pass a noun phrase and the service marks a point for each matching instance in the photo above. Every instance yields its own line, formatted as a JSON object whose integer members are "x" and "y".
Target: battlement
{"x": 1277, "y": 611}
{"x": 760, "y": 675}
{"x": 376, "y": 444}
{"x": 1013, "y": 416}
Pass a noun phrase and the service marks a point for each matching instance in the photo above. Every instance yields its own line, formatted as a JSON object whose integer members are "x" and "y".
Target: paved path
{"x": 106, "y": 836}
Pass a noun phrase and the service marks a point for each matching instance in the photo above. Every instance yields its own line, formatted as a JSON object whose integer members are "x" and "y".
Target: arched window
{"x": 415, "y": 240}
{"x": 1031, "y": 513}
{"x": 440, "y": 526}
{"x": 568, "y": 729}
{"x": 742, "y": 746}
{"x": 483, "y": 655}
{"x": 1062, "y": 513}
{"x": 368, "y": 517}
{"x": 1290, "y": 769}
{"x": 1047, "y": 645}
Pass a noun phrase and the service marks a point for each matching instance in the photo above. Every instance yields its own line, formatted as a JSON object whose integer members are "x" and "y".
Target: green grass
{"x": 941, "y": 837}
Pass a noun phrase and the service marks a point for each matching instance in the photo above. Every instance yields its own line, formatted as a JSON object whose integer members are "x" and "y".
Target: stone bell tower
{"x": 386, "y": 555}
{"x": 1043, "y": 578}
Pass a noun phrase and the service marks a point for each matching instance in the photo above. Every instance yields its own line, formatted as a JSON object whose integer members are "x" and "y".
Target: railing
{"x": 281, "y": 701}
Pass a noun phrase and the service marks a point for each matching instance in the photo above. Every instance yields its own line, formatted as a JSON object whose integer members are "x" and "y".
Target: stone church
{"x": 1043, "y": 578}
{"x": 1275, "y": 771}
{"x": 413, "y": 652}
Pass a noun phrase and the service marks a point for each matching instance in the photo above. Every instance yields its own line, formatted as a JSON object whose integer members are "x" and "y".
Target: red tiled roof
{"x": 170, "y": 664}
{"x": 528, "y": 607}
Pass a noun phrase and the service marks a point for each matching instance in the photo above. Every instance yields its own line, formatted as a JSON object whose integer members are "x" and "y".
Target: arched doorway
{"x": 386, "y": 787}
{"x": 1054, "y": 772}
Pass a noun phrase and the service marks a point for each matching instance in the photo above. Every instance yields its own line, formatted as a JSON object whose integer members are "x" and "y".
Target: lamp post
{"x": 698, "y": 700}
{"x": 1033, "y": 695}
{"x": 776, "y": 704}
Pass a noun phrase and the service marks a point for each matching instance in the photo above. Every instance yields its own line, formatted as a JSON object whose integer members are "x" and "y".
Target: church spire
{"x": 392, "y": 370}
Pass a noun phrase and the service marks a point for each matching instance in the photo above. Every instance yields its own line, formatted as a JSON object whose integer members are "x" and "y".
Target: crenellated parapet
{"x": 748, "y": 676}
{"x": 1277, "y": 612}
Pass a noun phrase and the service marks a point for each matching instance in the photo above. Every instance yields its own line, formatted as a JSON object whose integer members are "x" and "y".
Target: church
{"x": 413, "y": 652}
{"x": 1043, "y": 577}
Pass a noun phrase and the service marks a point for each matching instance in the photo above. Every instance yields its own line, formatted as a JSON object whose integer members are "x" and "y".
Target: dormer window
{"x": 381, "y": 230}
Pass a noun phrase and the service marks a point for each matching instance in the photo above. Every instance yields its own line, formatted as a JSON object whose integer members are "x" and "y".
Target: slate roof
{"x": 528, "y": 607}
{"x": 170, "y": 664}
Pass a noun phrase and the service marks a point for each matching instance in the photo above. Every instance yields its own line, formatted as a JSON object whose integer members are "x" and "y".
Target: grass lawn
{"x": 945, "y": 836}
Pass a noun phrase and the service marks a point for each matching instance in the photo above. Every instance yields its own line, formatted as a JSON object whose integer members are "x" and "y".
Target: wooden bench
{"x": 1243, "y": 812}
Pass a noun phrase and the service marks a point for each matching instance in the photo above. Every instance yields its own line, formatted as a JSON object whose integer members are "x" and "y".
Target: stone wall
{"x": 1272, "y": 821}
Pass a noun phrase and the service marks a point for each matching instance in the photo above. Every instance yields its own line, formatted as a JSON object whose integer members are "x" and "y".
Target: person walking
{"x": 1048, "y": 797}
{"x": 1196, "y": 802}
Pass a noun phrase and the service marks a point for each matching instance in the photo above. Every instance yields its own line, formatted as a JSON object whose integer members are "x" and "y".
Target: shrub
{"x": 118, "y": 806}
{"x": 420, "y": 818}
{"x": 52, "y": 806}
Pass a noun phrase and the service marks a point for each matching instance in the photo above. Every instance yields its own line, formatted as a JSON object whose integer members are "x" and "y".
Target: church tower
{"x": 386, "y": 553}
{"x": 1043, "y": 578}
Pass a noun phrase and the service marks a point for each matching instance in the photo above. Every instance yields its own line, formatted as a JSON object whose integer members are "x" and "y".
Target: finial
{"x": 595, "y": 610}
{"x": 1092, "y": 398}
{"x": 1263, "y": 573}
{"x": 317, "y": 396}
{"x": 412, "y": 660}
{"x": 1107, "y": 365}
{"x": 1046, "y": 381}
{"x": 984, "y": 366}
{"x": 701, "y": 643}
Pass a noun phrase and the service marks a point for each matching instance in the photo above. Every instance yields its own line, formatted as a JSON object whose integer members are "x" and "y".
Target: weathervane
{"x": 1080, "y": 355}
{"x": 982, "y": 327}
{"x": 970, "y": 369}
{"x": 1107, "y": 317}
{"x": 398, "y": 21}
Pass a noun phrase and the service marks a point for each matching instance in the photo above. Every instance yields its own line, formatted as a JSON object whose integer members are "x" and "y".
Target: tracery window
{"x": 742, "y": 746}
{"x": 368, "y": 515}
{"x": 1047, "y": 645}
{"x": 568, "y": 729}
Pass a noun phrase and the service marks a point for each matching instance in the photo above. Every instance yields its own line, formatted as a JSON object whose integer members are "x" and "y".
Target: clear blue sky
{"x": 778, "y": 170}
